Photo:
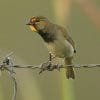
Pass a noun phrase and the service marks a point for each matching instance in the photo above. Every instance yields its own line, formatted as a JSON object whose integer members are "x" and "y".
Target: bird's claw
{"x": 58, "y": 67}
{"x": 49, "y": 65}
{"x": 46, "y": 66}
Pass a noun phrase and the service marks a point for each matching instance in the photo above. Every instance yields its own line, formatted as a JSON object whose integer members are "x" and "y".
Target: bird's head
{"x": 38, "y": 23}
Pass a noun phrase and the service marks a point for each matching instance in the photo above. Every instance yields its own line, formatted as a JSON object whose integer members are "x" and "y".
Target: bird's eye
{"x": 32, "y": 20}
{"x": 37, "y": 20}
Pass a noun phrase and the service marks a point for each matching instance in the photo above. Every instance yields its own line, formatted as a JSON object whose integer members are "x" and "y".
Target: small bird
{"x": 57, "y": 40}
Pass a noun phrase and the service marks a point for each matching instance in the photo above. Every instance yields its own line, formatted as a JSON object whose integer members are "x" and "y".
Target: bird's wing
{"x": 68, "y": 38}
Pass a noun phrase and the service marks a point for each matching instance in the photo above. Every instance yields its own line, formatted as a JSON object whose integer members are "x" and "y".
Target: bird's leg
{"x": 47, "y": 65}
{"x": 50, "y": 67}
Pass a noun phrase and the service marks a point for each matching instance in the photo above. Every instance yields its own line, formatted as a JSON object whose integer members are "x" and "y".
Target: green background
{"x": 28, "y": 49}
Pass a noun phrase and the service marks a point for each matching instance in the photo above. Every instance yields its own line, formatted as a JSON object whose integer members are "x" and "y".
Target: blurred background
{"x": 82, "y": 20}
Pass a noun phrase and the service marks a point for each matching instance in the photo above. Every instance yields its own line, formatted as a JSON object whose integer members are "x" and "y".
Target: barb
{"x": 10, "y": 54}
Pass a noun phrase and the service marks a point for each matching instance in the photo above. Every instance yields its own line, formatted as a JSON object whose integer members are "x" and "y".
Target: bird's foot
{"x": 46, "y": 66}
{"x": 49, "y": 65}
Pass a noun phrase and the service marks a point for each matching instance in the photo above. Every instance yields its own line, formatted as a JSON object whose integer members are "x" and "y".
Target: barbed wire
{"x": 8, "y": 65}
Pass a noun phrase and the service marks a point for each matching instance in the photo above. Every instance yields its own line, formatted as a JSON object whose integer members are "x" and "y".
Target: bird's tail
{"x": 69, "y": 69}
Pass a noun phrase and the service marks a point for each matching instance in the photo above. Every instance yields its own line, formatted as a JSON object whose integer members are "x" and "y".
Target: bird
{"x": 57, "y": 40}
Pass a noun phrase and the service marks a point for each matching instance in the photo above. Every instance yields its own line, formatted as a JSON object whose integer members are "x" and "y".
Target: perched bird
{"x": 58, "y": 41}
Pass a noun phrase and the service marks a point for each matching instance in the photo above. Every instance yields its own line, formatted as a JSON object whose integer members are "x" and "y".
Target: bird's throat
{"x": 47, "y": 37}
{"x": 33, "y": 28}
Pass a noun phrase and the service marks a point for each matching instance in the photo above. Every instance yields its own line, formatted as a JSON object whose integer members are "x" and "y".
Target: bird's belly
{"x": 61, "y": 48}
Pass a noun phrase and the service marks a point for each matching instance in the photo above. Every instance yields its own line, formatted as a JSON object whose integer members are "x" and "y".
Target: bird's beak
{"x": 32, "y": 27}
